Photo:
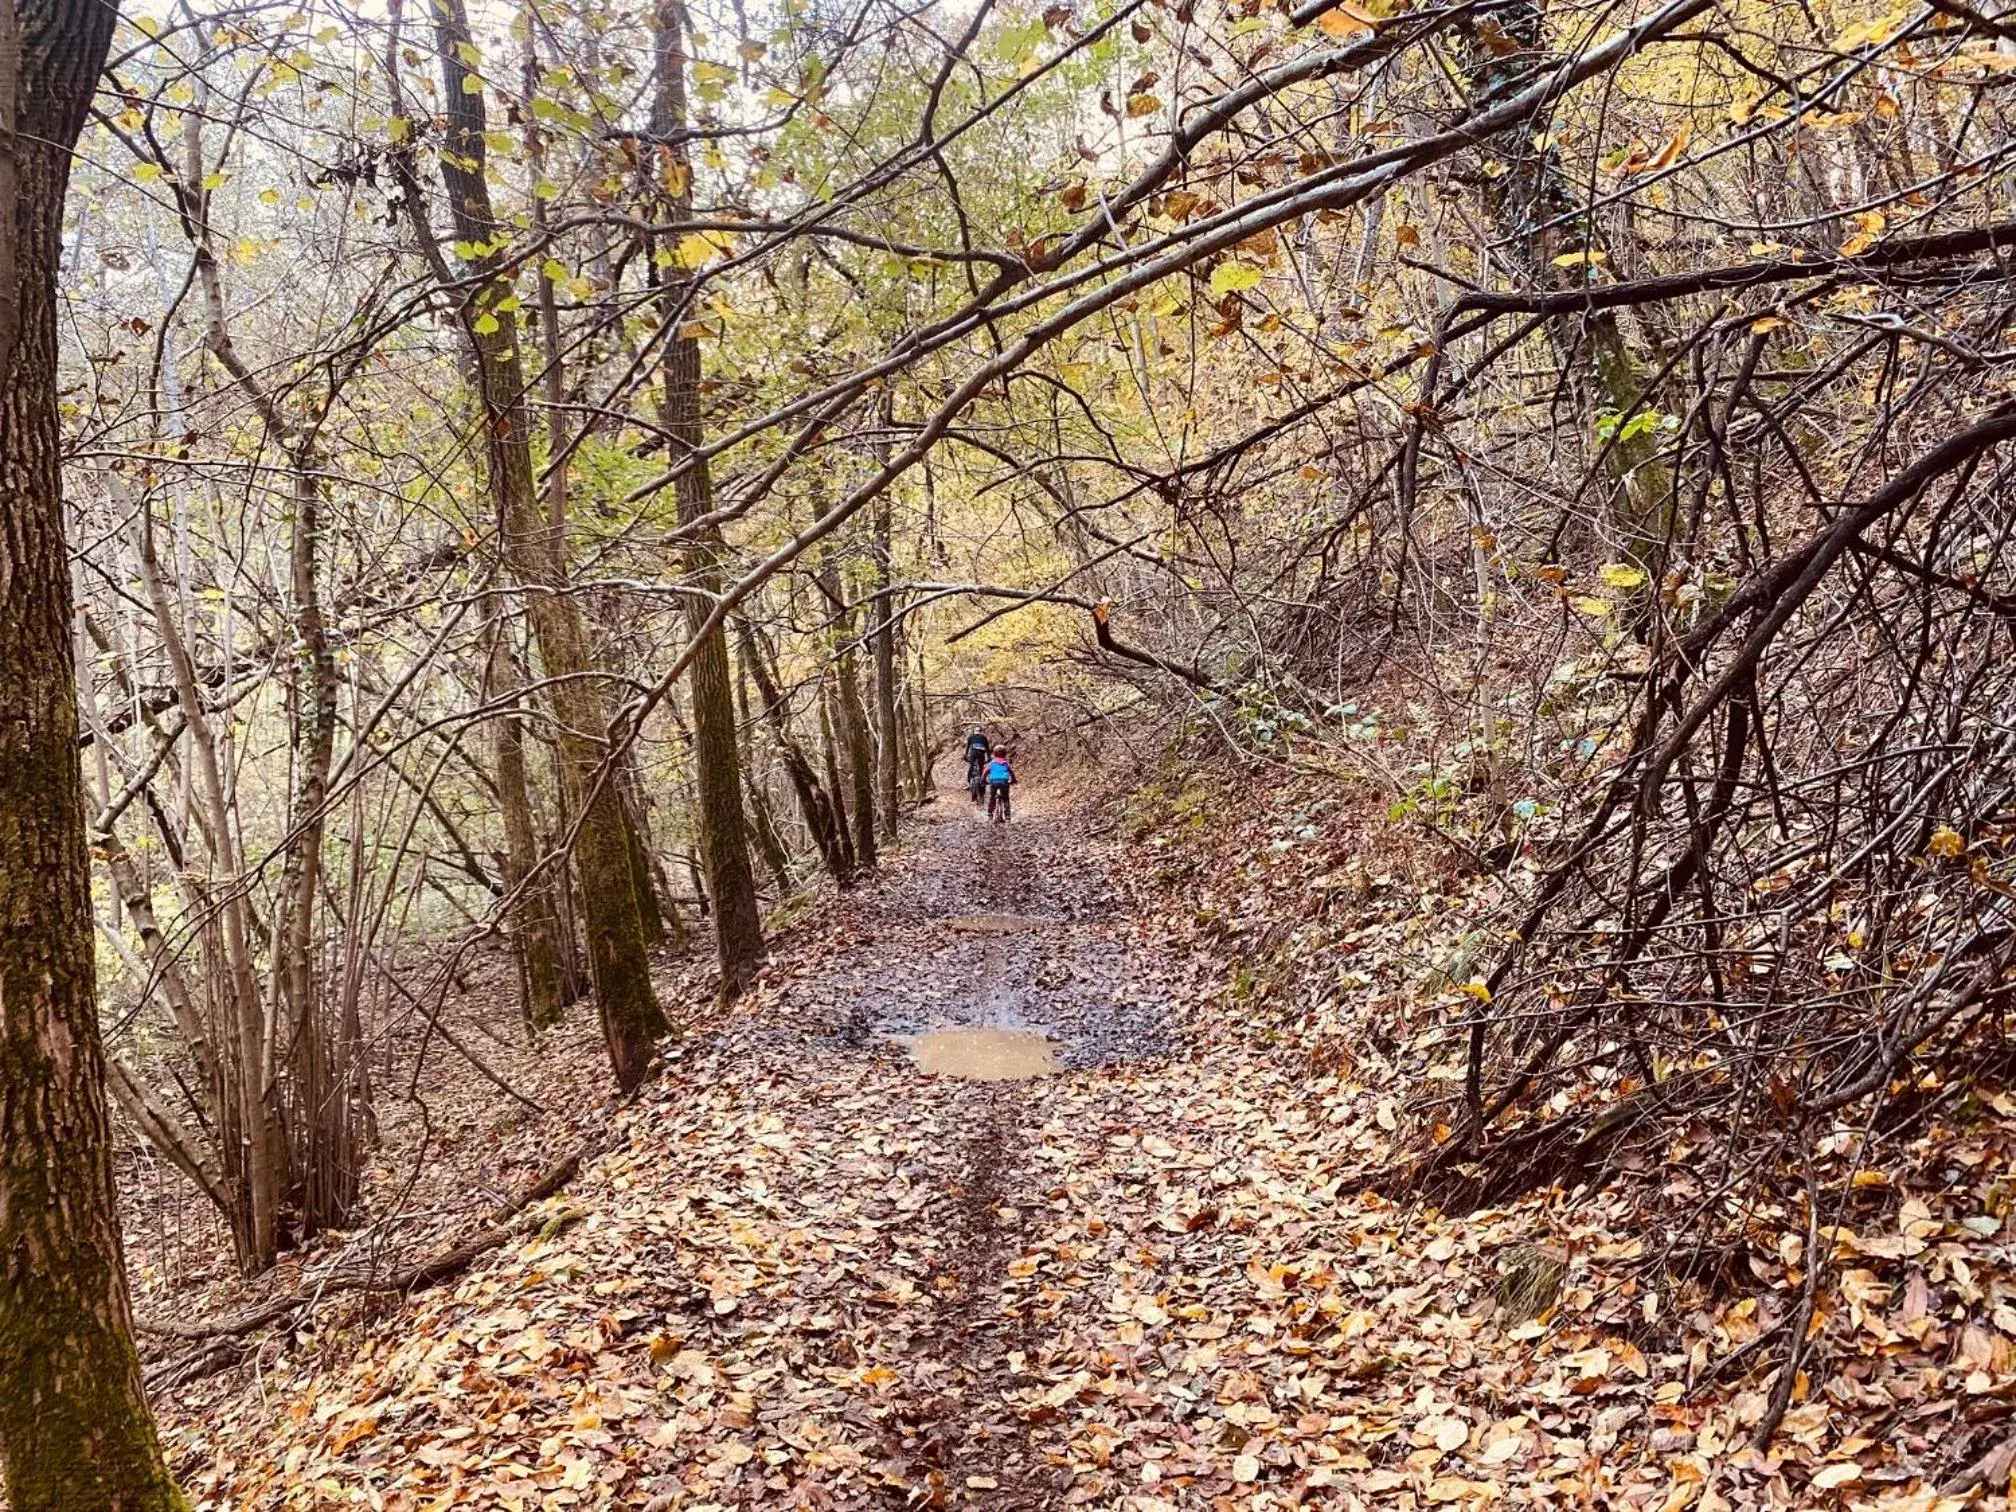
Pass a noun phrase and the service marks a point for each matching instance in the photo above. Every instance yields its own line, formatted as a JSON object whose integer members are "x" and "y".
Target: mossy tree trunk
{"x": 545, "y": 948}
{"x": 724, "y": 841}
{"x": 74, "y": 1426}
{"x": 619, "y": 962}
{"x": 534, "y": 921}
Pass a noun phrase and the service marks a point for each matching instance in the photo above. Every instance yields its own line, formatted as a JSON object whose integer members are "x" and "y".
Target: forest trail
{"x": 984, "y": 960}
{"x": 807, "y": 1272}
{"x": 807, "y": 1264}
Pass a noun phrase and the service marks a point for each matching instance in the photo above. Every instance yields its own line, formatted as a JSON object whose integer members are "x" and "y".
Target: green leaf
{"x": 486, "y": 324}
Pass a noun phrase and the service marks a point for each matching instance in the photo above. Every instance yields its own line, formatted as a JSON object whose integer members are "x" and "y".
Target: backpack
{"x": 998, "y": 771}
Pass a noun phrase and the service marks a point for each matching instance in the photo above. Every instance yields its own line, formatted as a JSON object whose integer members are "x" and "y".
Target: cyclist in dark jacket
{"x": 978, "y": 749}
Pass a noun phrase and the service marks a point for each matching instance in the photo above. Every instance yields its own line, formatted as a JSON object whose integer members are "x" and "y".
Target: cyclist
{"x": 978, "y": 749}
{"x": 1000, "y": 778}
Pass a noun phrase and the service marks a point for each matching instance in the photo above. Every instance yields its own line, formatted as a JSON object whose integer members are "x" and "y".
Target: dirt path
{"x": 984, "y": 940}
{"x": 808, "y": 1272}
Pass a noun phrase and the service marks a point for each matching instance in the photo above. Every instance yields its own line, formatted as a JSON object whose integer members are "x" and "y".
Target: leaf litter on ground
{"x": 805, "y": 1273}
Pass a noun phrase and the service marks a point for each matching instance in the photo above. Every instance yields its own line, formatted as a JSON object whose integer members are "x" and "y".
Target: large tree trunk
{"x": 74, "y": 1426}
{"x": 544, "y": 953}
{"x": 619, "y": 962}
{"x": 724, "y": 844}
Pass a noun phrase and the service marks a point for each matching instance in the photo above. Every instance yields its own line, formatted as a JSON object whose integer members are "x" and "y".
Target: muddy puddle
{"x": 984, "y": 1054}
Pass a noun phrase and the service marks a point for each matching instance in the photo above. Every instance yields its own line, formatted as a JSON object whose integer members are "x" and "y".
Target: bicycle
{"x": 997, "y": 802}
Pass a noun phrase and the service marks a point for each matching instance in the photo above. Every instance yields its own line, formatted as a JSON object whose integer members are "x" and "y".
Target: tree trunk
{"x": 534, "y": 920}
{"x": 657, "y": 915}
{"x": 325, "y": 1145}
{"x": 829, "y": 747}
{"x": 762, "y": 823}
{"x": 920, "y": 732}
{"x": 829, "y": 828}
{"x": 547, "y": 957}
{"x": 724, "y": 845}
{"x": 853, "y": 716}
{"x": 888, "y": 737}
{"x": 74, "y": 1427}
{"x": 769, "y": 843}
{"x": 619, "y": 962}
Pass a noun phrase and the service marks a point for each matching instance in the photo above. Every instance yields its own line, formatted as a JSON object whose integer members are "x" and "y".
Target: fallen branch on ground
{"x": 223, "y": 1340}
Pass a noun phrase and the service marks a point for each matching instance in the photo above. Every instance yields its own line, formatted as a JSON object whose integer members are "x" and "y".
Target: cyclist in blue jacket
{"x": 1000, "y": 778}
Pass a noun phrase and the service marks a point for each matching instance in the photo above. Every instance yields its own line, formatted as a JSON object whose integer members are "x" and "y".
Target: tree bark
{"x": 724, "y": 844}
{"x": 888, "y": 736}
{"x": 534, "y": 920}
{"x": 547, "y": 956}
{"x": 853, "y": 716}
{"x": 660, "y": 921}
{"x": 828, "y": 826}
{"x": 762, "y": 823}
{"x": 619, "y": 962}
{"x": 74, "y": 1426}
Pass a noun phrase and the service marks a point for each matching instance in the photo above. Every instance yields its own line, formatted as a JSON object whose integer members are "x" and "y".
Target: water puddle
{"x": 985, "y": 1054}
